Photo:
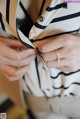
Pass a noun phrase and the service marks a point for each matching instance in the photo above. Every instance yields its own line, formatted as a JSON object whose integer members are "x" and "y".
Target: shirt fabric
{"x": 29, "y": 22}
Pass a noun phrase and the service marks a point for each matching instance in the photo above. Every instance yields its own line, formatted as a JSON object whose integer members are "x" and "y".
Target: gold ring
{"x": 58, "y": 56}
{"x": 36, "y": 45}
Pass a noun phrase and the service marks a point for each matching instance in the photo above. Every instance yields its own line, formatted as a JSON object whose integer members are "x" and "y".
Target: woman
{"x": 46, "y": 57}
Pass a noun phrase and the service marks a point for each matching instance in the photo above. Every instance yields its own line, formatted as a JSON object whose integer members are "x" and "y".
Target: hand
{"x": 13, "y": 63}
{"x": 68, "y": 47}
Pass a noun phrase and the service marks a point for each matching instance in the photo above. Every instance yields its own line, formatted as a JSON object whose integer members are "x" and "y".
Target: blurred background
{"x": 11, "y": 103}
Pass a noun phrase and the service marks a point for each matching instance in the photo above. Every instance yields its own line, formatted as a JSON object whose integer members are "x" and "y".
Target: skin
{"x": 14, "y": 63}
{"x": 68, "y": 47}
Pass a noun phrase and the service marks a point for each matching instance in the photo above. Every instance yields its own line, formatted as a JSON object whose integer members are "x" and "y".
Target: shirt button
{"x": 41, "y": 18}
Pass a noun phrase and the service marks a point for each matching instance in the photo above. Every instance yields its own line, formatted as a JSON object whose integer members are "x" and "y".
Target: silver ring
{"x": 58, "y": 56}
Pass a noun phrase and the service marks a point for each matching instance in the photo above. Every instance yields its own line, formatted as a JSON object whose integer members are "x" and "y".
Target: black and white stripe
{"x": 7, "y": 10}
{"x": 55, "y": 16}
{"x": 2, "y": 23}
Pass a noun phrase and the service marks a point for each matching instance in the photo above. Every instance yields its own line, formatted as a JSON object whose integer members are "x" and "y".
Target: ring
{"x": 36, "y": 45}
{"x": 58, "y": 56}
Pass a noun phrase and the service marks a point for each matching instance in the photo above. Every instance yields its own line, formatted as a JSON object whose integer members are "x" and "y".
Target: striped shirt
{"x": 29, "y": 22}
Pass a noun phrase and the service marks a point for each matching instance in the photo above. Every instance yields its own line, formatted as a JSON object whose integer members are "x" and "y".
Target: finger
{"x": 50, "y": 56}
{"x": 10, "y": 78}
{"x": 65, "y": 69}
{"x": 9, "y": 62}
{"x": 56, "y": 64}
{"x": 26, "y": 61}
{"x": 15, "y": 72}
{"x": 52, "y": 44}
{"x": 12, "y": 43}
{"x": 19, "y": 63}
{"x": 8, "y": 52}
{"x": 27, "y": 53}
{"x": 68, "y": 69}
{"x": 14, "y": 54}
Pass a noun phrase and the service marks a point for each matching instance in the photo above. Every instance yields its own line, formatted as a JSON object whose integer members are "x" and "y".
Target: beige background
{"x": 11, "y": 89}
